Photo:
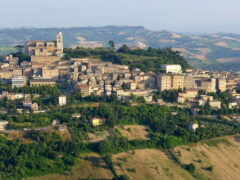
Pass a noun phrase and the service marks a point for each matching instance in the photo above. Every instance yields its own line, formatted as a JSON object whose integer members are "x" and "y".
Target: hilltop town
{"x": 96, "y": 77}
{"x": 57, "y": 103}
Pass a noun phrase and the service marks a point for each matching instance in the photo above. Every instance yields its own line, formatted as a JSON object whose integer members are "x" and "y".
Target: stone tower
{"x": 60, "y": 43}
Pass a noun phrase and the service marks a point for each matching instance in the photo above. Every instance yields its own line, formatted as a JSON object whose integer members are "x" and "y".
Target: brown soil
{"x": 98, "y": 136}
{"x": 134, "y": 132}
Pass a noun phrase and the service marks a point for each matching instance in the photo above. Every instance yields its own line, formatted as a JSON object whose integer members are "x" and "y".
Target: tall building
{"x": 62, "y": 99}
{"x": 209, "y": 85}
{"x": 170, "y": 81}
{"x": 221, "y": 84}
{"x": 189, "y": 82}
{"x": 177, "y": 81}
{"x": 45, "y": 48}
{"x": 164, "y": 82}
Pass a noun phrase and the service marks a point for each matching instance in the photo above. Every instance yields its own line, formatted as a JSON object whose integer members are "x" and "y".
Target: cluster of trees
{"x": 76, "y": 97}
{"x": 160, "y": 119}
{"x": 28, "y": 121}
{"x": 42, "y": 90}
{"x": 19, "y": 53}
{"x": 167, "y": 95}
{"x": 147, "y": 60}
{"x": 166, "y": 130}
{"x": 48, "y": 154}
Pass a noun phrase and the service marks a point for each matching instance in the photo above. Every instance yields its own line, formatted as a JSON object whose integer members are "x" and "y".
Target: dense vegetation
{"x": 147, "y": 60}
{"x": 42, "y": 90}
{"x": 49, "y": 153}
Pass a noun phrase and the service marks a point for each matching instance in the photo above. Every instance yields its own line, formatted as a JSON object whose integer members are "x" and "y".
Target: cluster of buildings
{"x": 93, "y": 76}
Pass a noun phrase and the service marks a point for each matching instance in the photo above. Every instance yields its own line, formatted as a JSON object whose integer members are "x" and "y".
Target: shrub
{"x": 123, "y": 177}
{"x": 134, "y": 170}
{"x": 190, "y": 168}
{"x": 210, "y": 168}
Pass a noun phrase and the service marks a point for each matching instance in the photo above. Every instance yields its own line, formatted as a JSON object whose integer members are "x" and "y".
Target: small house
{"x": 97, "y": 121}
{"x": 181, "y": 99}
{"x": 62, "y": 99}
{"x": 3, "y": 125}
{"x": 27, "y": 103}
{"x": 193, "y": 126}
{"x": 215, "y": 104}
{"x": 55, "y": 122}
{"x": 76, "y": 115}
{"x": 195, "y": 111}
{"x": 34, "y": 106}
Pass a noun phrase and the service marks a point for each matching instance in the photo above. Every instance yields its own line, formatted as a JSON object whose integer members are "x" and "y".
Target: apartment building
{"x": 18, "y": 81}
{"x": 170, "y": 81}
{"x": 221, "y": 84}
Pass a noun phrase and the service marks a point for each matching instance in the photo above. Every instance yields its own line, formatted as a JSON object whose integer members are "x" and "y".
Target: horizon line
{"x": 92, "y": 26}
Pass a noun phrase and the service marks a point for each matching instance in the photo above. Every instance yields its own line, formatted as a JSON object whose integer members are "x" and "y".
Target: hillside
{"x": 221, "y": 154}
{"x": 199, "y": 50}
{"x": 146, "y": 60}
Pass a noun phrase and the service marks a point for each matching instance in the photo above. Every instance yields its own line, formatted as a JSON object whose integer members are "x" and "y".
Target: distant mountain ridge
{"x": 199, "y": 50}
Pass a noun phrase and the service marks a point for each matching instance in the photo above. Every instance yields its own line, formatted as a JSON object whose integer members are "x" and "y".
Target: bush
{"x": 104, "y": 147}
{"x": 134, "y": 170}
{"x": 190, "y": 168}
{"x": 123, "y": 177}
{"x": 210, "y": 168}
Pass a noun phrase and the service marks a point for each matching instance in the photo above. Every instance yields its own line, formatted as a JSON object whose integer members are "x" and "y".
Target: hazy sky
{"x": 175, "y": 15}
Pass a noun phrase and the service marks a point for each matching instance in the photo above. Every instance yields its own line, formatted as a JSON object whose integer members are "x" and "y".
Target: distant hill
{"x": 199, "y": 50}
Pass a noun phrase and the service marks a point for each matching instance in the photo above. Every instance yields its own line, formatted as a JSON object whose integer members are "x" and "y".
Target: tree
{"x": 124, "y": 86}
{"x": 111, "y": 44}
{"x": 104, "y": 147}
{"x": 19, "y": 48}
{"x": 124, "y": 49}
{"x": 190, "y": 167}
{"x": 124, "y": 177}
{"x": 133, "y": 97}
{"x": 207, "y": 107}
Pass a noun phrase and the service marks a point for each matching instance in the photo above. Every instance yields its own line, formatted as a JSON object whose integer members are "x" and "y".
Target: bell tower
{"x": 60, "y": 42}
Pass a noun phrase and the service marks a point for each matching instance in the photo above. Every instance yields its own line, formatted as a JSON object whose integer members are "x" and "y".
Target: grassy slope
{"x": 149, "y": 164}
{"x": 223, "y": 154}
{"x": 88, "y": 165}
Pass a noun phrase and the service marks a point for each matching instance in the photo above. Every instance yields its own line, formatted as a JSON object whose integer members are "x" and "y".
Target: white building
{"x": 193, "y": 126}
{"x": 172, "y": 68}
{"x": 3, "y": 125}
{"x": 18, "y": 81}
{"x": 62, "y": 100}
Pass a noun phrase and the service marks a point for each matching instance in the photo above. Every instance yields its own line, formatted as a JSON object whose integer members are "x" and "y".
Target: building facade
{"x": 45, "y": 48}
{"x": 18, "y": 81}
{"x": 62, "y": 99}
{"x": 170, "y": 81}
